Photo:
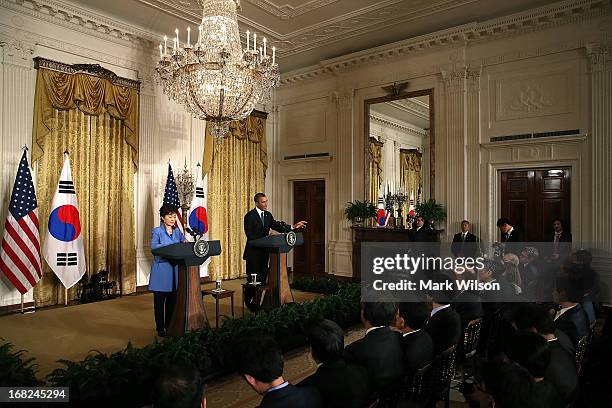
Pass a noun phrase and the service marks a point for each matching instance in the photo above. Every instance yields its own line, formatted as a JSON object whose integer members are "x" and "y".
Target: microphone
{"x": 194, "y": 232}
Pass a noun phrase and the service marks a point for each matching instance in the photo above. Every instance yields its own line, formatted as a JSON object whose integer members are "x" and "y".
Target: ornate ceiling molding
{"x": 81, "y": 20}
{"x": 412, "y": 106}
{"x": 287, "y": 11}
{"x": 384, "y": 120}
{"x": 567, "y": 12}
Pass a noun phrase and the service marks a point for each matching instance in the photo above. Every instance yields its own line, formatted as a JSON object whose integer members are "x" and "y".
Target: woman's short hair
{"x": 167, "y": 209}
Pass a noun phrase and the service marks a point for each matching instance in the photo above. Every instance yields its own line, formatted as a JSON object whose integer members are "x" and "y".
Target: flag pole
{"x": 22, "y": 303}
{"x": 65, "y": 296}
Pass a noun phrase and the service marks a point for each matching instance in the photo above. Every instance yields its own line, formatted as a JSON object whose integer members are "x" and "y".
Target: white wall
{"x": 166, "y": 132}
{"x": 541, "y": 70}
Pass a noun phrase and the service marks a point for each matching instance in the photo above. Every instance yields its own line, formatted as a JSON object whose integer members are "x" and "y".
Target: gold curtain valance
{"x": 252, "y": 128}
{"x": 411, "y": 176}
{"x": 64, "y": 87}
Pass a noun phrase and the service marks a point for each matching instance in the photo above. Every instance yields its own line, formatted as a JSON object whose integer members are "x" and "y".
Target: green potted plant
{"x": 431, "y": 211}
{"x": 359, "y": 211}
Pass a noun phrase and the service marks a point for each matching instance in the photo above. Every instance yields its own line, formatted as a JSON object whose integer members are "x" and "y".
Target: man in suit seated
{"x": 510, "y": 235}
{"x": 380, "y": 350}
{"x": 467, "y": 302}
{"x": 465, "y": 244}
{"x": 341, "y": 384}
{"x": 561, "y": 372}
{"x": 179, "y": 385}
{"x": 257, "y": 224}
{"x": 571, "y": 318}
{"x": 418, "y": 345}
{"x": 444, "y": 324}
{"x": 260, "y": 363}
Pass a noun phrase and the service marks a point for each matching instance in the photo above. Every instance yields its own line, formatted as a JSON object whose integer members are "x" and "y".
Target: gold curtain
{"x": 97, "y": 123}
{"x": 376, "y": 172}
{"x": 411, "y": 175}
{"x": 236, "y": 172}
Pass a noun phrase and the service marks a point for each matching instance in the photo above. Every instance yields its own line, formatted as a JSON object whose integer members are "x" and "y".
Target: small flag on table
{"x": 64, "y": 250}
{"x": 171, "y": 197}
{"x": 381, "y": 215}
{"x": 20, "y": 253}
{"x": 411, "y": 207}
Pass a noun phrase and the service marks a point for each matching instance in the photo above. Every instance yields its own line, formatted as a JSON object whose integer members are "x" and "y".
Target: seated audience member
{"x": 493, "y": 272}
{"x": 380, "y": 350}
{"x": 571, "y": 318}
{"x": 531, "y": 351}
{"x": 530, "y": 272}
{"x": 421, "y": 231}
{"x": 179, "y": 385}
{"x": 340, "y": 384}
{"x": 260, "y": 363}
{"x": 418, "y": 345}
{"x": 511, "y": 272}
{"x": 444, "y": 324}
{"x": 509, "y": 385}
{"x": 561, "y": 371}
{"x": 581, "y": 269}
{"x": 465, "y": 244}
{"x": 467, "y": 302}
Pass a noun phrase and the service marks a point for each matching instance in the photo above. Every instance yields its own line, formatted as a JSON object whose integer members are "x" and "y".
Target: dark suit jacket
{"x": 425, "y": 234}
{"x": 464, "y": 248}
{"x": 292, "y": 397}
{"x": 418, "y": 351}
{"x": 341, "y": 384}
{"x": 444, "y": 327}
{"x": 380, "y": 352}
{"x": 574, "y": 323}
{"x": 254, "y": 229}
{"x": 564, "y": 247}
{"x": 514, "y": 243}
{"x": 561, "y": 371}
{"x": 469, "y": 306}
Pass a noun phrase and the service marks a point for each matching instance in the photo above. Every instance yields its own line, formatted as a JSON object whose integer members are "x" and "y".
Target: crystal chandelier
{"x": 214, "y": 78}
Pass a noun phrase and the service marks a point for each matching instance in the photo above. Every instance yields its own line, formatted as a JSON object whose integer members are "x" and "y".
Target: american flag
{"x": 20, "y": 252}
{"x": 171, "y": 197}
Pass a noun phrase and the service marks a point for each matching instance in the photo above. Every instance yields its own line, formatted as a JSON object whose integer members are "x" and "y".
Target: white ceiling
{"x": 309, "y": 31}
{"x": 409, "y": 111}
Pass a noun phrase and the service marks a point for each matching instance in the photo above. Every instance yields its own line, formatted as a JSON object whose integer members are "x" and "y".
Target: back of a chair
{"x": 419, "y": 388}
{"x": 471, "y": 337}
{"x": 443, "y": 372}
{"x": 583, "y": 348}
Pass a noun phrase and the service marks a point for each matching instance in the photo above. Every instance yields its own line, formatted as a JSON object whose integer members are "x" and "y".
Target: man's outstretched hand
{"x": 300, "y": 224}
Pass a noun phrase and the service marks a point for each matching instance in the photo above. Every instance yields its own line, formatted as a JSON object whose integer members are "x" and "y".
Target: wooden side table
{"x": 225, "y": 293}
{"x": 260, "y": 291}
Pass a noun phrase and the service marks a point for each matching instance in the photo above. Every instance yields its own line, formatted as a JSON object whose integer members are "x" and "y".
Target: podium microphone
{"x": 193, "y": 232}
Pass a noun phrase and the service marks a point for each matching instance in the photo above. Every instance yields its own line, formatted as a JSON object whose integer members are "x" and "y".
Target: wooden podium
{"x": 189, "y": 313}
{"x": 278, "y": 246}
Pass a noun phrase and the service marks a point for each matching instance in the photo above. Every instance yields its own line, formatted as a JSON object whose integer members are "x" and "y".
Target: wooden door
{"x": 309, "y": 205}
{"x": 532, "y": 198}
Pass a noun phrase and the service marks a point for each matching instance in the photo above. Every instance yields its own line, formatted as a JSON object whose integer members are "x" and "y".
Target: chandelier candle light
{"x": 214, "y": 78}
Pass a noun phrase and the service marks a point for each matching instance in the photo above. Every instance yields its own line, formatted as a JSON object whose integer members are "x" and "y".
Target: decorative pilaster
{"x": 472, "y": 153}
{"x": 17, "y": 85}
{"x": 601, "y": 142}
{"x": 455, "y": 89}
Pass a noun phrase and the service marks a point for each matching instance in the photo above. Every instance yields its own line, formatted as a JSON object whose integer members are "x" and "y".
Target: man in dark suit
{"x": 418, "y": 345}
{"x": 510, "y": 235}
{"x": 560, "y": 242}
{"x": 444, "y": 324}
{"x": 380, "y": 351}
{"x": 257, "y": 224}
{"x": 571, "y": 318}
{"x": 421, "y": 232}
{"x": 341, "y": 384}
{"x": 561, "y": 372}
{"x": 465, "y": 244}
{"x": 467, "y": 302}
{"x": 260, "y": 363}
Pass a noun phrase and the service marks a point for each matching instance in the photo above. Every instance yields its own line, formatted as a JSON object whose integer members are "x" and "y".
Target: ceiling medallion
{"x": 214, "y": 78}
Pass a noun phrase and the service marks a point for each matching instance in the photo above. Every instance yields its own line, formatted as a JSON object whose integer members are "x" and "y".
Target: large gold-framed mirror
{"x": 399, "y": 145}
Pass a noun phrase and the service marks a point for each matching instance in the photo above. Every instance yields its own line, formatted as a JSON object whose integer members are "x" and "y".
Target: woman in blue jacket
{"x": 164, "y": 277}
